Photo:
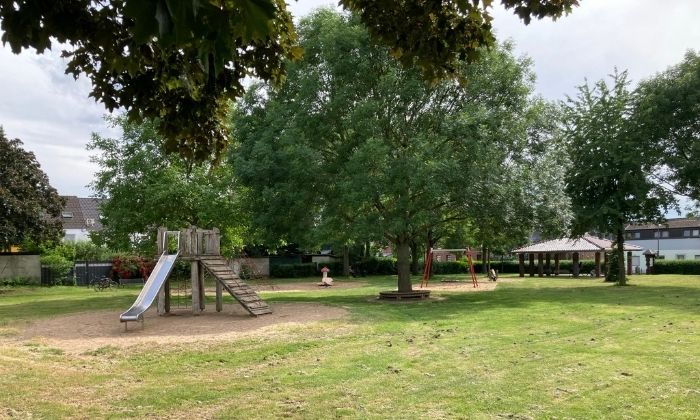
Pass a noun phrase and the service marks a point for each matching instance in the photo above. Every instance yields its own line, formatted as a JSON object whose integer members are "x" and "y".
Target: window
{"x": 696, "y": 232}
{"x": 438, "y": 258}
{"x": 680, "y": 256}
{"x": 697, "y": 257}
{"x": 67, "y": 214}
{"x": 89, "y": 222}
{"x": 69, "y": 237}
{"x": 686, "y": 233}
{"x": 637, "y": 235}
{"x": 664, "y": 234}
{"x": 657, "y": 234}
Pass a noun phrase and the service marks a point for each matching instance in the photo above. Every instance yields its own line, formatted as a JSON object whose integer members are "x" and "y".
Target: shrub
{"x": 15, "y": 281}
{"x": 613, "y": 274}
{"x": 131, "y": 267}
{"x": 376, "y": 266}
{"x": 59, "y": 267}
{"x": 676, "y": 267}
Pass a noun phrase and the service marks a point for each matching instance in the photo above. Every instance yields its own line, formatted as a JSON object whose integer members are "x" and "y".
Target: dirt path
{"x": 88, "y": 331}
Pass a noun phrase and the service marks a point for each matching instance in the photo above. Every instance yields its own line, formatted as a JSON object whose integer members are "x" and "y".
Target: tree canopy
{"x": 356, "y": 145}
{"x": 181, "y": 61}
{"x": 144, "y": 188}
{"x": 668, "y": 117}
{"x": 608, "y": 181}
{"x": 30, "y": 208}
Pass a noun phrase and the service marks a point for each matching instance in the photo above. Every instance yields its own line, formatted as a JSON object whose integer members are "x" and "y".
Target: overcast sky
{"x": 52, "y": 114}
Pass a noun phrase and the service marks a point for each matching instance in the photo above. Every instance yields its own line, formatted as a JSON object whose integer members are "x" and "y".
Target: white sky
{"x": 52, "y": 114}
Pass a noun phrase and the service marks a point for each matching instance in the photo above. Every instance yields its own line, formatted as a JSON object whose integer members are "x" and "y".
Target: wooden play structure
{"x": 428, "y": 265}
{"x": 202, "y": 249}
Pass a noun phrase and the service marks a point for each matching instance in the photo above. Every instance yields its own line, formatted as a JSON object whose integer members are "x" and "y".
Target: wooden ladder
{"x": 242, "y": 292}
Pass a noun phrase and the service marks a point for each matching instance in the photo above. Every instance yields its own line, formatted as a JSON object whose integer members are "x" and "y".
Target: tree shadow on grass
{"x": 685, "y": 299}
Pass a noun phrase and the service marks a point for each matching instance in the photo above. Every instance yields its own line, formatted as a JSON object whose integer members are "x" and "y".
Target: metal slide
{"x": 150, "y": 290}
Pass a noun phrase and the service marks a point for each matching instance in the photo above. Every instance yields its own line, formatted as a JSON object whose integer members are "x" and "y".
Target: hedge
{"x": 372, "y": 266}
{"x": 676, "y": 267}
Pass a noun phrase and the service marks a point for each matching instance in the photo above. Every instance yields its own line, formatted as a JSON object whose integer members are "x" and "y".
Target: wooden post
{"x": 161, "y": 301}
{"x": 219, "y": 296}
{"x": 629, "y": 263}
{"x": 575, "y": 267}
{"x": 160, "y": 246}
{"x": 532, "y": 264}
{"x": 166, "y": 286}
{"x": 597, "y": 264}
{"x": 521, "y": 264}
{"x": 605, "y": 263}
{"x": 556, "y": 264}
{"x": 202, "y": 295}
{"x": 548, "y": 264}
{"x": 196, "y": 295}
{"x": 540, "y": 265}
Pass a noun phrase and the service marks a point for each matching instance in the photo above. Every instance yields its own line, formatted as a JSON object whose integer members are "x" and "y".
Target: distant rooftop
{"x": 586, "y": 243}
{"x": 679, "y": 223}
{"x": 81, "y": 213}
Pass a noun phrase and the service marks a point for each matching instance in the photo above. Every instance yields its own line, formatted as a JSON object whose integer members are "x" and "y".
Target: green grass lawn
{"x": 536, "y": 348}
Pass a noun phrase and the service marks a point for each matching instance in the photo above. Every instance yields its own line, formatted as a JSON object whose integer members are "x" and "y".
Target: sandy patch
{"x": 305, "y": 286}
{"x": 82, "y": 332}
{"x": 458, "y": 286}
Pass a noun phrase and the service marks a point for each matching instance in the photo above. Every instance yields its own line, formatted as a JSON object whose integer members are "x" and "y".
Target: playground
{"x": 525, "y": 348}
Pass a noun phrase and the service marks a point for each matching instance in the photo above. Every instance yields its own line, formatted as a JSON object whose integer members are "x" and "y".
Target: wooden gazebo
{"x": 576, "y": 247}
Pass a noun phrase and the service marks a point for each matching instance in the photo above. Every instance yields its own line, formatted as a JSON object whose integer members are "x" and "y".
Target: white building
{"x": 676, "y": 239}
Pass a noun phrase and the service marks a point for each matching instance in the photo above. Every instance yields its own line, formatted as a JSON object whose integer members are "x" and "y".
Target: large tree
{"x": 30, "y": 208}
{"x": 608, "y": 181}
{"x": 181, "y": 60}
{"x": 668, "y": 119}
{"x": 144, "y": 188}
{"x": 355, "y": 140}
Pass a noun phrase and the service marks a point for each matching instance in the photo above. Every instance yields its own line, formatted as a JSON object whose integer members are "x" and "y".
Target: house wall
{"x": 671, "y": 248}
{"x": 76, "y": 235}
{"x": 25, "y": 266}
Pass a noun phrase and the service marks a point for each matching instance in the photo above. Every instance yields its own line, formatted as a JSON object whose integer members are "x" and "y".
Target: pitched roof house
{"x": 79, "y": 217}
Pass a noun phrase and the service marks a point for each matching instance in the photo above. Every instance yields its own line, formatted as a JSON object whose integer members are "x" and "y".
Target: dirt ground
{"x": 88, "y": 331}
{"x": 78, "y": 333}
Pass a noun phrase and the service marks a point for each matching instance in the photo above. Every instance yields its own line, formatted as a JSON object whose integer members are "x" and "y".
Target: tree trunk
{"x": 484, "y": 259}
{"x": 622, "y": 280}
{"x": 415, "y": 256}
{"x": 403, "y": 264}
{"x": 346, "y": 261}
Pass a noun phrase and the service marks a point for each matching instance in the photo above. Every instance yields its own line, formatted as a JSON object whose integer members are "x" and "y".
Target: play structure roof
{"x": 585, "y": 243}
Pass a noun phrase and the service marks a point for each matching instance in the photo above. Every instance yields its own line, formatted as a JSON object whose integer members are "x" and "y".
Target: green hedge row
{"x": 372, "y": 266}
{"x": 676, "y": 267}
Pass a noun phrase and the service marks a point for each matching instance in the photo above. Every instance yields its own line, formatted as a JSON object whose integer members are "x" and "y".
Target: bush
{"x": 293, "y": 270}
{"x": 376, "y": 266}
{"x": 59, "y": 267}
{"x": 15, "y": 281}
{"x": 131, "y": 267}
{"x": 676, "y": 267}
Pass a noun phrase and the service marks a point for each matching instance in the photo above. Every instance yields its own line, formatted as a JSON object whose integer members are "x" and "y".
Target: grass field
{"x": 533, "y": 348}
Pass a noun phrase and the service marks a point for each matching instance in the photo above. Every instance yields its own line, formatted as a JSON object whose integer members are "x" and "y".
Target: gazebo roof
{"x": 585, "y": 243}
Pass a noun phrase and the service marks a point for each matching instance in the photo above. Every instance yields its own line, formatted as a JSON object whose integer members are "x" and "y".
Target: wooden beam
{"x": 532, "y": 264}
{"x": 521, "y": 265}
{"x": 194, "y": 278}
{"x": 597, "y": 264}
{"x": 575, "y": 267}
{"x": 548, "y": 264}
{"x": 540, "y": 265}
{"x": 556, "y": 264}
{"x": 219, "y": 296}
{"x": 629, "y": 263}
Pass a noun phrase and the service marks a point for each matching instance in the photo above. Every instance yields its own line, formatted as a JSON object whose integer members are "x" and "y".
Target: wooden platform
{"x": 242, "y": 292}
{"x": 396, "y": 295}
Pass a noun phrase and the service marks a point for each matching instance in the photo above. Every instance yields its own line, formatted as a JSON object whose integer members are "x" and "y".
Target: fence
{"x": 83, "y": 272}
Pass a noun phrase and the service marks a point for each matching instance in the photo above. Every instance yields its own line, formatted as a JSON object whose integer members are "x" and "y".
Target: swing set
{"x": 428, "y": 266}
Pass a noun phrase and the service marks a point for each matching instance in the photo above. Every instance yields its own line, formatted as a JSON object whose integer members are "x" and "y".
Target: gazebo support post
{"x": 575, "y": 266}
{"x": 597, "y": 264}
{"x": 556, "y": 264}
{"x": 605, "y": 262}
{"x": 540, "y": 265}
{"x": 629, "y": 263}
{"x": 531, "y": 257}
{"x": 521, "y": 265}
{"x": 548, "y": 264}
